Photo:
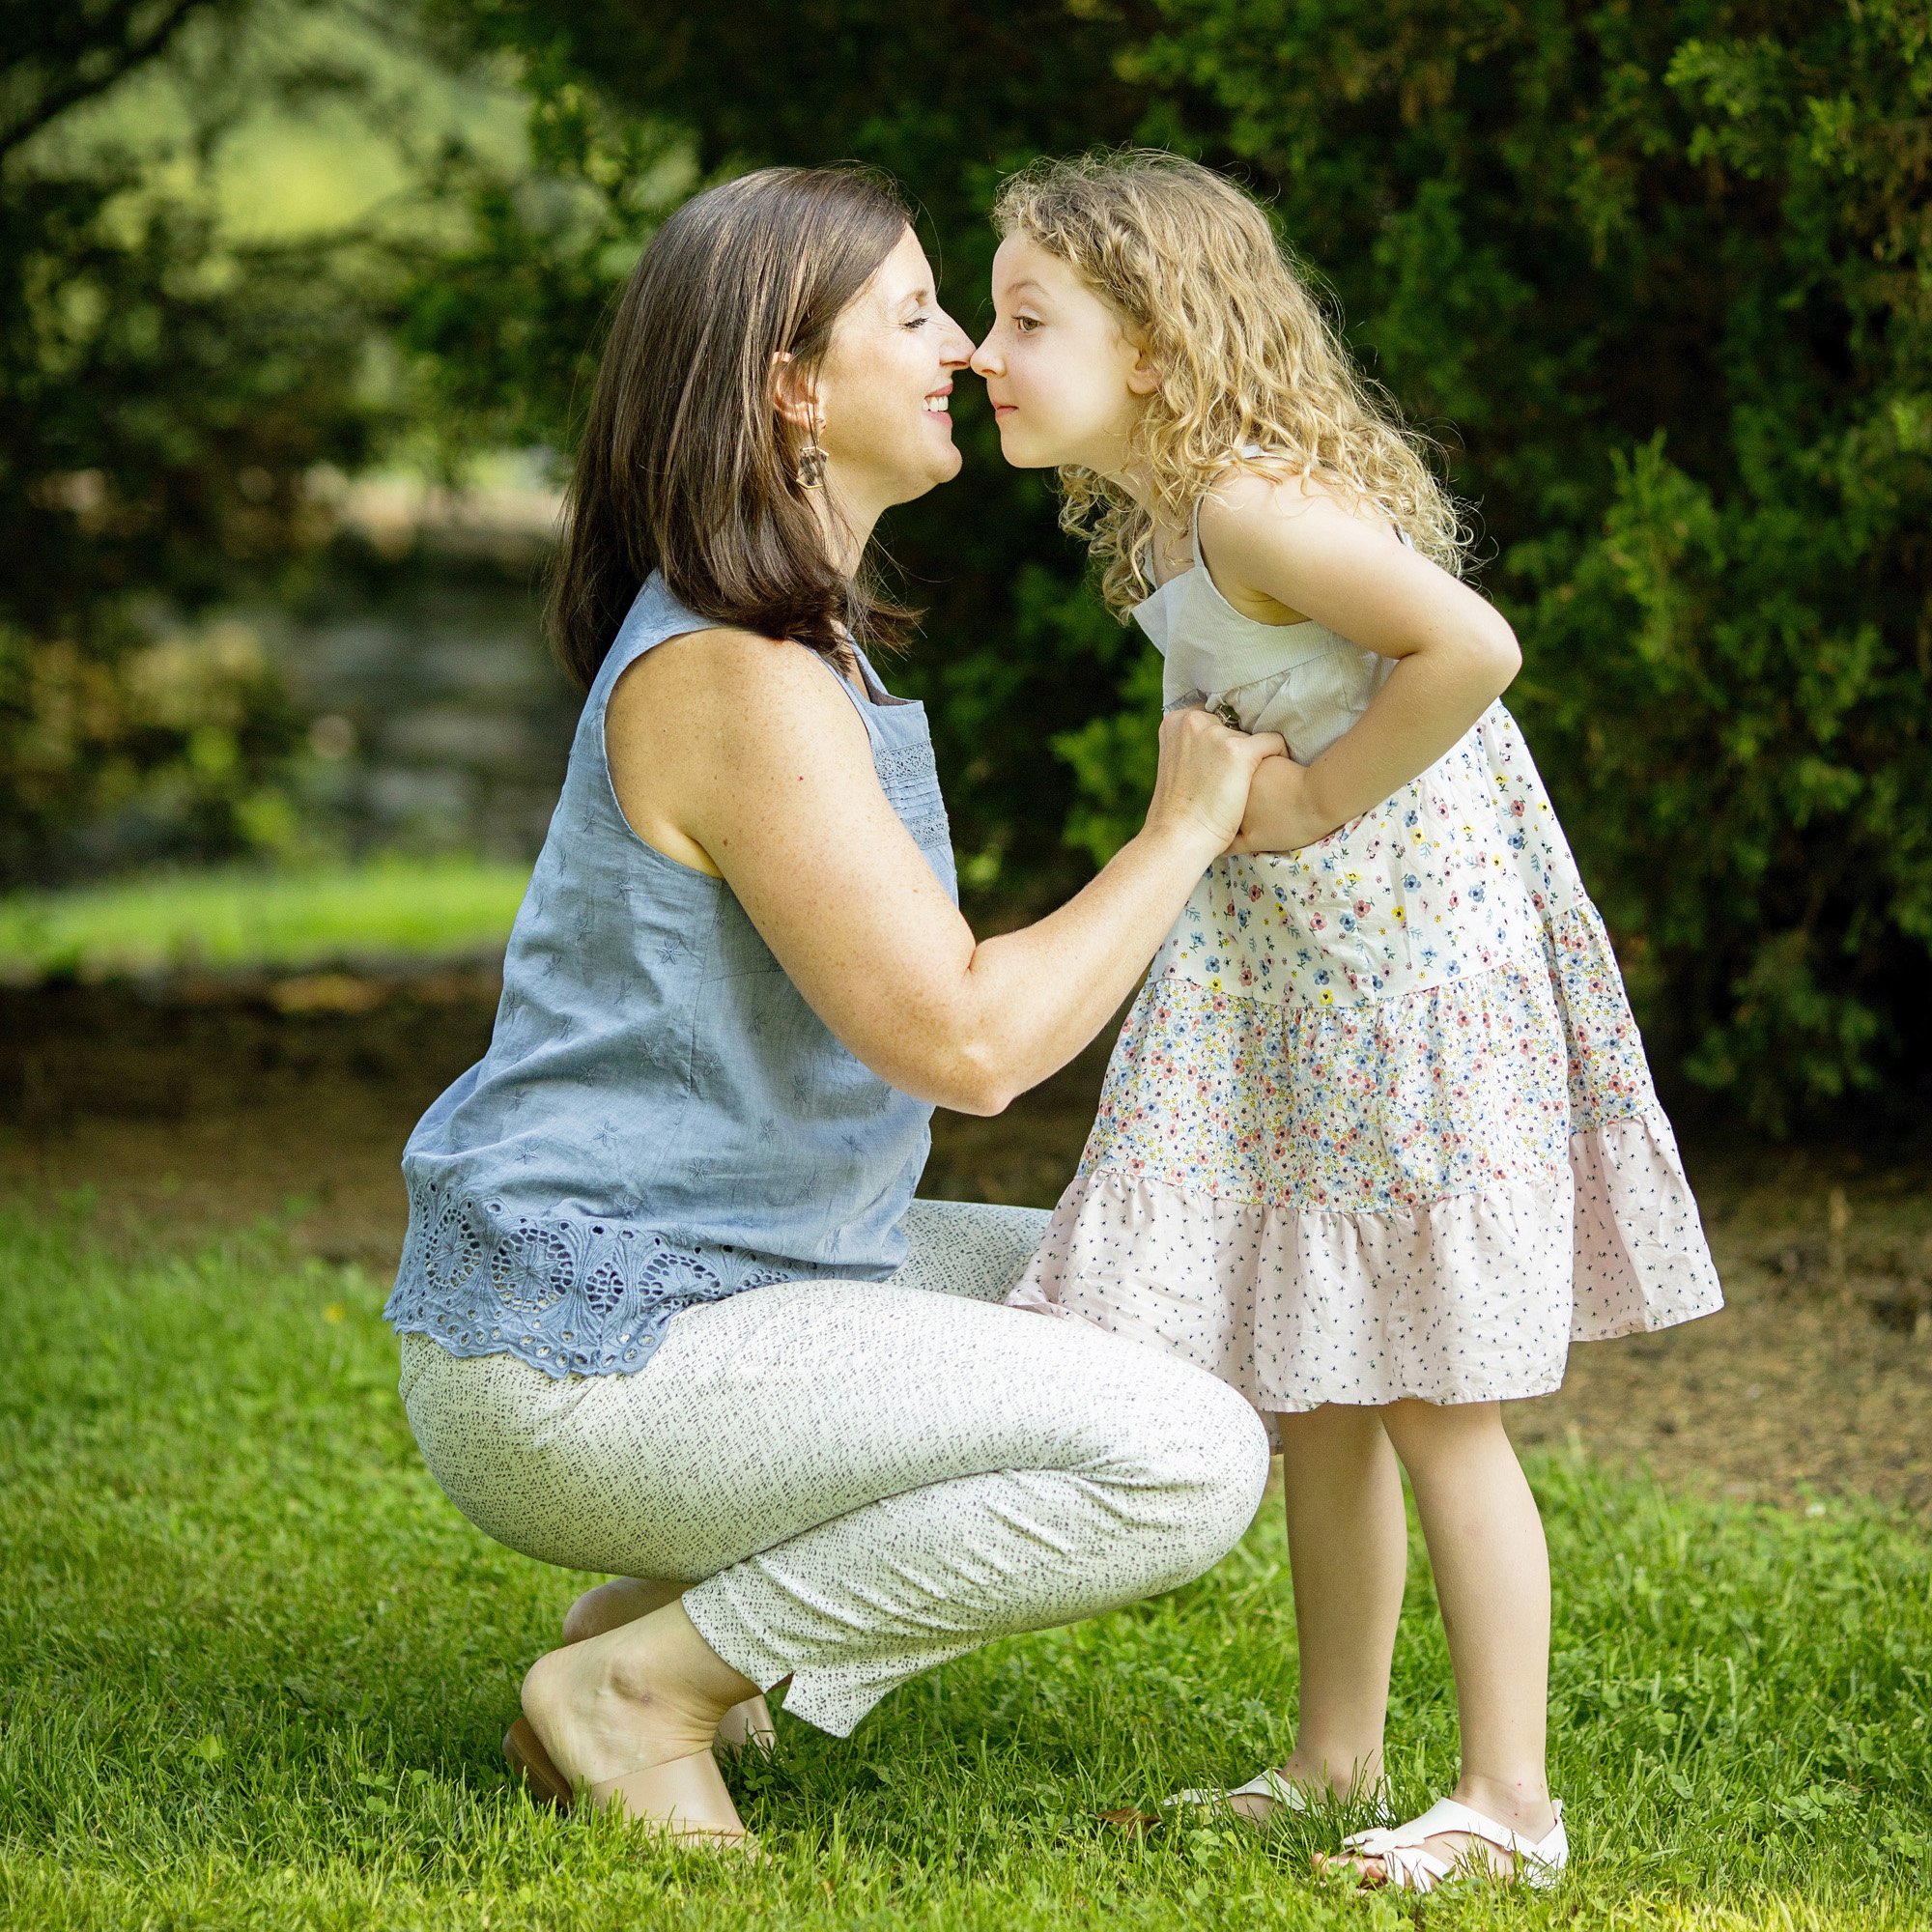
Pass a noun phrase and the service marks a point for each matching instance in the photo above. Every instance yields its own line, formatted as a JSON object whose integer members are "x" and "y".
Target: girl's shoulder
{"x": 1261, "y": 504}
{"x": 1260, "y": 486}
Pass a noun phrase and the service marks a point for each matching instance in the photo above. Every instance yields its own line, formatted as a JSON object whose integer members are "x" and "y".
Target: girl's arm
{"x": 739, "y": 757}
{"x": 1283, "y": 551}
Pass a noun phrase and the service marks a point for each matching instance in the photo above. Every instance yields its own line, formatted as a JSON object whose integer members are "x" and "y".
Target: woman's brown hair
{"x": 684, "y": 465}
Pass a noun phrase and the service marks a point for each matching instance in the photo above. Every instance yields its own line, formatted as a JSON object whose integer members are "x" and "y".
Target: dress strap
{"x": 1246, "y": 449}
{"x": 1256, "y": 450}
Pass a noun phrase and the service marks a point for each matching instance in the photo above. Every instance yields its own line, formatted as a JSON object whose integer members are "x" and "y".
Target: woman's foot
{"x": 623, "y": 1599}
{"x": 628, "y": 1716}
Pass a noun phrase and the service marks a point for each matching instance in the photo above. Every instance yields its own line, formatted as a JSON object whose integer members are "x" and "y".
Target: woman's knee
{"x": 1208, "y": 1454}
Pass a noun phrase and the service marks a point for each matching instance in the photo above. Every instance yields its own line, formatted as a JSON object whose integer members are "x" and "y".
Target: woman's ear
{"x": 792, "y": 394}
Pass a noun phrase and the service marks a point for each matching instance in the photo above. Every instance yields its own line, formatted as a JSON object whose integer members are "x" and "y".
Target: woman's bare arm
{"x": 739, "y": 754}
{"x": 1293, "y": 547}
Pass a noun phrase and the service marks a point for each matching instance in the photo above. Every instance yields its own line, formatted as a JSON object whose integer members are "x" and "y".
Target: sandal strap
{"x": 1411, "y": 1866}
{"x": 1271, "y": 1783}
{"x": 678, "y": 1797}
{"x": 1407, "y": 1866}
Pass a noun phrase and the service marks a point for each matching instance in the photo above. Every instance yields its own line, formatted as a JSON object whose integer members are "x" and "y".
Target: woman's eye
{"x": 918, "y": 322}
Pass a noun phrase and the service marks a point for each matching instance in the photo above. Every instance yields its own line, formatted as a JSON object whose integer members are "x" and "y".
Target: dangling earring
{"x": 812, "y": 458}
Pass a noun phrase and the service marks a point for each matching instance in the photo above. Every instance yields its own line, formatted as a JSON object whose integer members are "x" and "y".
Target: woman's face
{"x": 1065, "y": 380}
{"x": 882, "y": 390}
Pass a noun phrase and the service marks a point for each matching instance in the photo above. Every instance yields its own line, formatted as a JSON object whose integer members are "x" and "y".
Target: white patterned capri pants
{"x": 860, "y": 1479}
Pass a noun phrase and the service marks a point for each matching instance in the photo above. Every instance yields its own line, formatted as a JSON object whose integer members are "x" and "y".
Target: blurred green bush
{"x": 1657, "y": 276}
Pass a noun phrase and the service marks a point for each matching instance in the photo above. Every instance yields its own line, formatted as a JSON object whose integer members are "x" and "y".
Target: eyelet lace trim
{"x": 896, "y": 764}
{"x": 567, "y": 1295}
{"x": 929, "y": 829}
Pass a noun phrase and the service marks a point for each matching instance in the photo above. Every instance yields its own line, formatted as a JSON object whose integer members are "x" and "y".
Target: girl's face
{"x": 1065, "y": 380}
{"x": 880, "y": 395}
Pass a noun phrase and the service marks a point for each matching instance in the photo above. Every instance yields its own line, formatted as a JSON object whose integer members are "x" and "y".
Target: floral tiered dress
{"x": 1379, "y": 1123}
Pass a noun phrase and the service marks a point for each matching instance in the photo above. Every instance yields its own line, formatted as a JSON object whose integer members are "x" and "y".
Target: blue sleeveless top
{"x": 661, "y": 1119}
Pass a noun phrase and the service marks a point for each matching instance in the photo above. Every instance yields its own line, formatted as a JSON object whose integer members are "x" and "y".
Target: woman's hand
{"x": 1284, "y": 810}
{"x": 1205, "y": 772}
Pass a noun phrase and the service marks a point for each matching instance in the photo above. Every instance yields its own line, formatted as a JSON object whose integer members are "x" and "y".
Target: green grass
{"x": 242, "y": 917}
{"x": 253, "y": 1671}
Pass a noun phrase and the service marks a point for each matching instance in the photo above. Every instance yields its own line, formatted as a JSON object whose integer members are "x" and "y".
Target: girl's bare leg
{"x": 1347, "y": 1544}
{"x": 1492, "y": 1570}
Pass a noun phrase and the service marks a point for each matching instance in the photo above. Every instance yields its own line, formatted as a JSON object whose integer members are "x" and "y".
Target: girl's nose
{"x": 987, "y": 360}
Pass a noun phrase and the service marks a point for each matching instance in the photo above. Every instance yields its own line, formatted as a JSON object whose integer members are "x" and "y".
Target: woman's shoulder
{"x": 726, "y": 672}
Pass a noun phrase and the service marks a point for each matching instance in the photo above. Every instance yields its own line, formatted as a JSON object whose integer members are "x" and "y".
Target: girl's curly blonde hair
{"x": 1245, "y": 356}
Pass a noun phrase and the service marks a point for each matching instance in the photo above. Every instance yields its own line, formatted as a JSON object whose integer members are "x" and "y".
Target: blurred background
{"x": 299, "y": 303}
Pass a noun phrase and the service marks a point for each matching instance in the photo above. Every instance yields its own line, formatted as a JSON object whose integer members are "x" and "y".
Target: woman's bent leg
{"x": 955, "y": 1247}
{"x": 868, "y": 1479}
{"x": 974, "y": 1248}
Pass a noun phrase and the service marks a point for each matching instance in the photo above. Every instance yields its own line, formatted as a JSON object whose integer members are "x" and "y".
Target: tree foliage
{"x": 1665, "y": 270}
{"x": 1659, "y": 277}
{"x": 164, "y": 393}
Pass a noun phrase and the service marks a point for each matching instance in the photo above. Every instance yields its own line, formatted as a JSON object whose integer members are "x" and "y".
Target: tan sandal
{"x": 674, "y": 1796}
{"x": 746, "y": 1727}
{"x": 528, "y": 1759}
{"x": 678, "y": 1798}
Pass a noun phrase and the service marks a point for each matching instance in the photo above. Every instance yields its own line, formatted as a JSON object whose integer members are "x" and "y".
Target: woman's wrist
{"x": 1179, "y": 840}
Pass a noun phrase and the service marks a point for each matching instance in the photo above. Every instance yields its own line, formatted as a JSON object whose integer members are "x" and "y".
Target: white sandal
{"x": 1410, "y": 1865}
{"x": 1270, "y": 1784}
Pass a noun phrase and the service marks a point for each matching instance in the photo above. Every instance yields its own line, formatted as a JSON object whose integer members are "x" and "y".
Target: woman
{"x": 667, "y": 1306}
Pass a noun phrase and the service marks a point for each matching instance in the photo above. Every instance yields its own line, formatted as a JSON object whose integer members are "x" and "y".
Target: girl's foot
{"x": 623, "y": 1599}
{"x": 1450, "y": 1841}
{"x": 1290, "y": 1787}
{"x": 627, "y": 1721}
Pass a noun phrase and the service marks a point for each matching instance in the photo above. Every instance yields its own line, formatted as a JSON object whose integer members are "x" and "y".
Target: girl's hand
{"x": 1201, "y": 787}
{"x": 1287, "y": 548}
{"x": 1284, "y": 810}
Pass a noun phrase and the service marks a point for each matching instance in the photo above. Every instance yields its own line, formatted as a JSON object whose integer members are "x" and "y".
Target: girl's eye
{"x": 1024, "y": 324}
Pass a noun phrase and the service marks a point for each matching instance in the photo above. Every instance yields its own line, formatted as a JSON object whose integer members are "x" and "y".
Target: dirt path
{"x": 196, "y": 1107}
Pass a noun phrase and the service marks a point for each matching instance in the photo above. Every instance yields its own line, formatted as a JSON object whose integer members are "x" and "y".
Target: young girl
{"x": 1377, "y": 1139}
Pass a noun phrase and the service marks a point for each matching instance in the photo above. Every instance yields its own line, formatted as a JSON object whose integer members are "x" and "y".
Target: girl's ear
{"x": 792, "y": 393}
{"x": 1143, "y": 379}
